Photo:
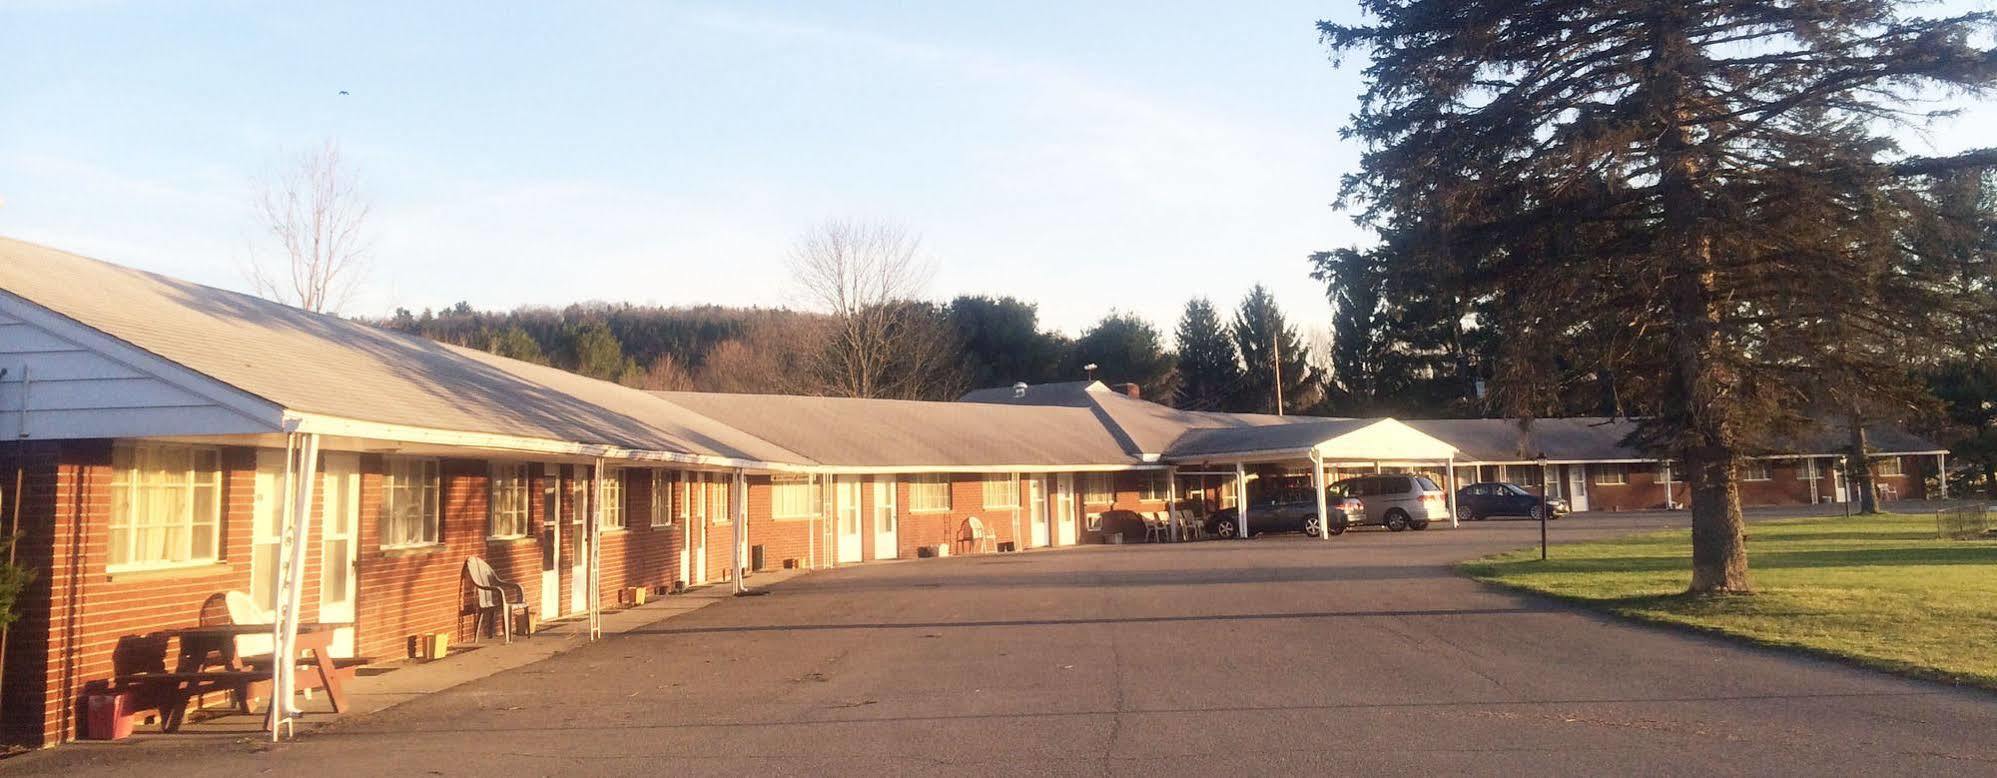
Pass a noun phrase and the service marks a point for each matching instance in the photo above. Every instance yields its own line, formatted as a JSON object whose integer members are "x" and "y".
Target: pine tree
{"x": 1209, "y": 365}
{"x": 1126, "y": 349}
{"x": 1270, "y": 347}
{"x": 515, "y": 343}
{"x": 1624, "y": 167}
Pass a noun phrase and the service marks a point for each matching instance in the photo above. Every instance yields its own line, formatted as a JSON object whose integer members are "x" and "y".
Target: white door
{"x": 551, "y": 541}
{"x": 341, "y": 483}
{"x": 1577, "y": 487}
{"x": 266, "y": 528}
{"x": 696, "y": 494}
{"x": 579, "y": 507}
{"x": 846, "y": 510}
{"x": 1064, "y": 510}
{"x": 887, "y": 519}
{"x": 1037, "y": 513}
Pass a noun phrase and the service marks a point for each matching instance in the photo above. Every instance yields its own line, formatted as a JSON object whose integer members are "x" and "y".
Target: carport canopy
{"x": 1315, "y": 441}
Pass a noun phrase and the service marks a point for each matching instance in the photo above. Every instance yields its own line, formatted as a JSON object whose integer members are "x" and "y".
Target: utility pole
{"x": 1276, "y": 350}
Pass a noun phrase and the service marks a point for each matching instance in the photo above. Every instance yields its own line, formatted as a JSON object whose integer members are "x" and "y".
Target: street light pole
{"x": 1545, "y": 508}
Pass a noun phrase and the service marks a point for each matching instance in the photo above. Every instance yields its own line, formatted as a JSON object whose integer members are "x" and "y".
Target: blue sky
{"x": 1080, "y": 155}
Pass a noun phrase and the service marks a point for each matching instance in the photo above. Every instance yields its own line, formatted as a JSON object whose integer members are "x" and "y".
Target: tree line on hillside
{"x": 1219, "y": 364}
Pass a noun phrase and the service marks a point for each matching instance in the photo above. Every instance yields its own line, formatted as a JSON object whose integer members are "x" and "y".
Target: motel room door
{"x": 1064, "y": 509}
{"x": 551, "y": 541}
{"x": 696, "y": 531}
{"x": 579, "y": 507}
{"x": 342, "y": 506}
{"x": 1577, "y": 487}
{"x": 846, "y": 509}
{"x": 1036, "y": 518}
{"x": 887, "y": 519}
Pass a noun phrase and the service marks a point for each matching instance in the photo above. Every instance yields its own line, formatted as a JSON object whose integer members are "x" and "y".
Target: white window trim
{"x": 1146, "y": 491}
{"x": 1767, "y": 470}
{"x": 494, "y": 483}
{"x": 215, "y": 526}
{"x": 1899, "y": 469}
{"x": 662, "y": 498}
{"x": 436, "y": 501}
{"x": 613, "y": 500}
{"x": 1089, "y": 480}
{"x": 932, "y": 480}
{"x": 1599, "y": 472}
{"x": 998, "y": 483}
{"x": 813, "y": 496}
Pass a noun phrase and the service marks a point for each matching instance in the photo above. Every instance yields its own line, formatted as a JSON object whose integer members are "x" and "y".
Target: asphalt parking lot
{"x": 1363, "y": 654}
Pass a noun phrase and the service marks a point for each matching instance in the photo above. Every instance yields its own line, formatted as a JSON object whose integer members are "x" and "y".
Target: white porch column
{"x": 739, "y": 514}
{"x": 1451, "y": 488}
{"x": 1941, "y": 472}
{"x": 1241, "y": 498}
{"x": 301, "y": 471}
{"x": 1317, "y": 485}
{"x": 1172, "y": 503}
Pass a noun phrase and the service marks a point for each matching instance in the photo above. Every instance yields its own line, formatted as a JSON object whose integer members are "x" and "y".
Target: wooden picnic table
{"x": 208, "y": 662}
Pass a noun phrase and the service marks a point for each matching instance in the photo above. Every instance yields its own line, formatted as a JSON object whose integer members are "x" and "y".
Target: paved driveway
{"x": 1362, "y": 655}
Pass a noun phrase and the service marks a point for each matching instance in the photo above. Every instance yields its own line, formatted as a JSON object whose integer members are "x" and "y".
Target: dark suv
{"x": 1288, "y": 511}
{"x": 1480, "y": 501}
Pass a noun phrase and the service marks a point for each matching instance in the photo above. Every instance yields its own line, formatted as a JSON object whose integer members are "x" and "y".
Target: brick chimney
{"x": 1132, "y": 391}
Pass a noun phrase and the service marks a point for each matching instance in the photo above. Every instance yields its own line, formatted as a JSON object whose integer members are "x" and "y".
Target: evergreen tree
{"x": 1002, "y": 343}
{"x": 1625, "y": 167}
{"x": 514, "y": 342}
{"x": 1126, "y": 349}
{"x": 1209, "y": 365}
{"x": 1270, "y": 347}
{"x": 598, "y": 353}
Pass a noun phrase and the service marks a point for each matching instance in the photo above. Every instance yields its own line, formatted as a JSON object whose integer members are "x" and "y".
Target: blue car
{"x": 1477, "y": 502}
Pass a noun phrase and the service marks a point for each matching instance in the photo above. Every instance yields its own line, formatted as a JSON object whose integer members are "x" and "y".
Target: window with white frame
{"x": 409, "y": 497}
{"x": 1001, "y": 491}
{"x": 1151, "y": 487}
{"x": 613, "y": 498}
{"x": 1886, "y": 467}
{"x": 1099, "y": 489}
{"x": 166, "y": 505}
{"x": 663, "y": 482}
{"x": 929, "y": 493}
{"x": 1754, "y": 470}
{"x": 1808, "y": 471}
{"x": 507, "y": 500}
{"x": 1667, "y": 472}
{"x": 718, "y": 490}
{"x": 1610, "y": 474}
{"x": 795, "y": 495}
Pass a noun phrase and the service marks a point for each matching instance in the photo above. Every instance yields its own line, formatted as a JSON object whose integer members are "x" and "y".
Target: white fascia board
{"x": 258, "y": 410}
{"x": 971, "y": 469}
{"x": 295, "y": 421}
{"x": 1393, "y": 439}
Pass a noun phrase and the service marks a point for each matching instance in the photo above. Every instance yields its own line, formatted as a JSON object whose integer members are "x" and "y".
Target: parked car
{"x": 1481, "y": 501}
{"x": 1396, "y": 501}
{"x": 1288, "y": 511}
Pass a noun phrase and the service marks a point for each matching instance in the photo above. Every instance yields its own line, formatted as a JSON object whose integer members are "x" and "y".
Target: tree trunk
{"x": 1989, "y": 478}
{"x": 1861, "y": 471}
{"x": 1719, "y": 544}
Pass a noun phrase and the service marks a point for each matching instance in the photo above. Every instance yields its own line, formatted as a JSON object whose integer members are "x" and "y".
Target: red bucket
{"x": 108, "y": 716}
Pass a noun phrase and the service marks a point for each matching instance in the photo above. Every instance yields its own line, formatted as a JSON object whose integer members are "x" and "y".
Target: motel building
{"x": 169, "y": 444}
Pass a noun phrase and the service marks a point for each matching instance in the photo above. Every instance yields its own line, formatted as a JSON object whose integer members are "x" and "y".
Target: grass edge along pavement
{"x": 1881, "y": 591}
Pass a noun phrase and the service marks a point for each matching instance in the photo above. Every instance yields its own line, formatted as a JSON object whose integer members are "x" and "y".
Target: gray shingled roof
{"x": 321, "y": 364}
{"x": 907, "y": 433}
{"x": 1596, "y": 438}
{"x": 1145, "y": 427}
{"x": 1215, "y": 441}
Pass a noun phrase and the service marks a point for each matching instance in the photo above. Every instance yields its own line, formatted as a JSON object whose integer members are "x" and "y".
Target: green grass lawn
{"x": 1881, "y": 590}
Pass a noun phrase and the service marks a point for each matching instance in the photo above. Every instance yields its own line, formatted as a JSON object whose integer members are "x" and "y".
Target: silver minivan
{"x": 1397, "y": 501}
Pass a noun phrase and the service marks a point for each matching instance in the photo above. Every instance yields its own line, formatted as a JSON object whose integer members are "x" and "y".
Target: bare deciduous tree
{"x": 881, "y": 341}
{"x": 313, "y": 248}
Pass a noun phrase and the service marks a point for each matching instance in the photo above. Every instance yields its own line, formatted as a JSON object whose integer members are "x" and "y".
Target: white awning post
{"x": 1317, "y": 485}
{"x": 301, "y": 470}
{"x": 1172, "y": 503}
{"x": 595, "y": 568}
{"x": 1241, "y": 498}
{"x": 1941, "y": 472}
{"x": 1453, "y": 523}
{"x": 739, "y": 515}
